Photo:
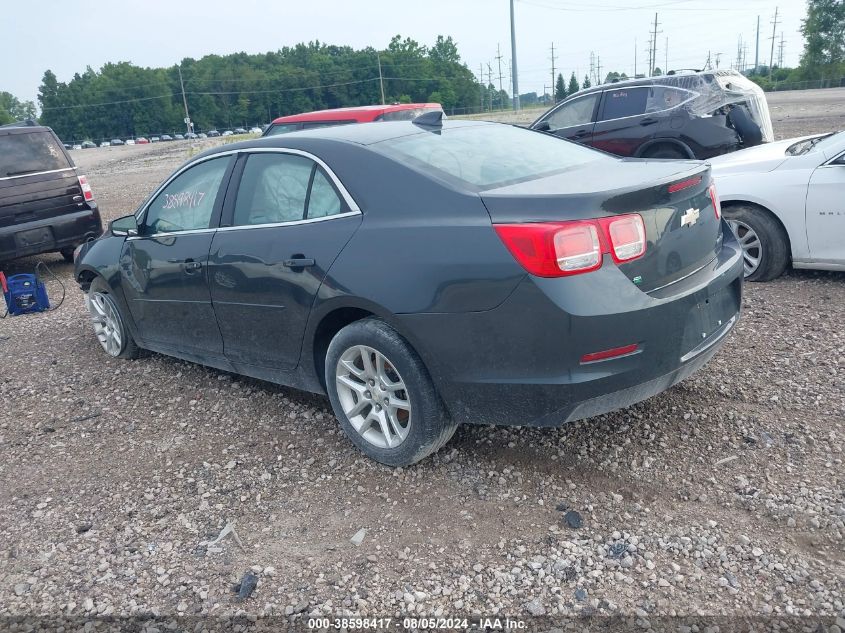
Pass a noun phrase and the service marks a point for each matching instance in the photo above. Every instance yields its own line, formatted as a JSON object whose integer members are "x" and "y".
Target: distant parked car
{"x": 116, "y": 141}
{"x": 190, "y": 135}
{"x": 130, "y": 141}
{"x": 67, "y": 145}
{"x": 255, "y": 130}
{"x": 154, "y": 139}
{"x": 178, "y": 137}
{"x": 239, "y": 130}
{"x": 784, "y": 202}
{"x": 141, "y": 140}
{"x": 105, "y": 144}
{"x": 202, "y": 135}
{"x": 227, "y": 133}
{"x": 76, "y": 146}
{"x": 46, "y": 205}
{"x": 213, "y": 133}
{"x": 88, "y": 144}
{"x": 166, "y": 137}
{"x": 343, "y": 116}
{"x": 694, "y": 115}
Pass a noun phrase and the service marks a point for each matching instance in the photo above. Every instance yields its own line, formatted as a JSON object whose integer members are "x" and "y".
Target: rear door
{"x": 282, "y": 229}
{"x": 164, "y": 268}
{"x": 825, "y": 213}
{"x": 623, "y": 124}
{"x": 574, "y": 119}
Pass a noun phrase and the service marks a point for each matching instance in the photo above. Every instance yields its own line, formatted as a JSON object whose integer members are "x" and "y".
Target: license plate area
{"x": 709, "y": 317}
{"x": 34, "y": 237}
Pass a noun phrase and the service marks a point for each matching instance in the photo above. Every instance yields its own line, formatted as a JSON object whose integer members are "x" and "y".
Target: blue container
{"x": 26, "y": 294}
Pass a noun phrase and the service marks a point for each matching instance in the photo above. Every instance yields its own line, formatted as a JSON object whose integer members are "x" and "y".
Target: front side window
{"x": 577, "y": 112}
{"x": 187, "y": 203}
{"x": 624, "y": 102}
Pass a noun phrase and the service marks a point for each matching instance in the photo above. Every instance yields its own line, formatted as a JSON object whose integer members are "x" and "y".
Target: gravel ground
{"x": 722, "y": 497}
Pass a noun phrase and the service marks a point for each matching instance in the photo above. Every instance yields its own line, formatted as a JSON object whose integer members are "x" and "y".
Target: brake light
{"x": 684, "y": 184}
{"x": 717, "y": 206}
{"x": 86, "y": 188}
{"x": 558, "y": 249}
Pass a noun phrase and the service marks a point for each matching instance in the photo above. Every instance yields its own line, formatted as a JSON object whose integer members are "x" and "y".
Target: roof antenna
{"x": 430, "y": 119}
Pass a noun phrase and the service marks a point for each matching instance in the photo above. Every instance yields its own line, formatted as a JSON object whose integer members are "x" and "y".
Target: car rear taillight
{"x": 717, "y": 206}
{"x": 558, "y": 249}
{"x": 86, "y": 188}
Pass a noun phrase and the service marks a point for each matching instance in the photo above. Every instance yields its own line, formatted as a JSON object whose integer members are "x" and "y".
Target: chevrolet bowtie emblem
{"x": 690, "y": 217}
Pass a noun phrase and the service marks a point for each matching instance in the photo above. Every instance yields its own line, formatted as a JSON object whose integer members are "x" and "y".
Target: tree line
{"x": 242, "y": 90}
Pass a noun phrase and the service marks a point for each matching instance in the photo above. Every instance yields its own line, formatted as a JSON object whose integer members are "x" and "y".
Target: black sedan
{"x": 425, "y": 275}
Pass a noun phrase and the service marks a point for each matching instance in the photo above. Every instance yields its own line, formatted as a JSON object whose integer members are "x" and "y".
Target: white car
{"x": 130, "y": 141}
{"x": 786, "y": 203}
{"x": 256, "y": 130}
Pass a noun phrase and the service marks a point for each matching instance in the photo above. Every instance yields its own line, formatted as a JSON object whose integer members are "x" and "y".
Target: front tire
{"x": 765, "y": 246}
{"x": 109, "y": 323}
{"x": 383, "y": 396}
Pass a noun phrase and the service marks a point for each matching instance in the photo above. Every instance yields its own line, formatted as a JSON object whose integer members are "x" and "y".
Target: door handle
{"x": 299, "y": 262}
{"x": 648, "y": 121}
{"x": 189, "y": 265}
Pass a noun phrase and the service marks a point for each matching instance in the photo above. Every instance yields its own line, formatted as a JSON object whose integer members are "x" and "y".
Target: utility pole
{"x": 554, "y": 95}
{"x": 490, "y": 83}
{"x": 654, "y": 43}
{"x": 499, "y": 59}
{"x": 739, "y": 54}
{"x": 635, "y": 58}
{"x": 772, "y": 54}
{"x": 513, "y": 63}
{"x": 666, "y": 64}
{"x": 481, "y": 84}
{"x": 757, "y": 48}
{"x": 780, "y": 51}
{"x": 380, "y": 77}
{"x": 184, "y": 101}
{"x": 718, "y": 57}
{"x": 598, "y": 70}
{"x": 593, "y": 67}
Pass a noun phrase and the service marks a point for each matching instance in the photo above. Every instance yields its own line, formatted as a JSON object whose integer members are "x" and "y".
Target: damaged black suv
{"x": 45, "y": 205}
{"x": 693, "y": 115}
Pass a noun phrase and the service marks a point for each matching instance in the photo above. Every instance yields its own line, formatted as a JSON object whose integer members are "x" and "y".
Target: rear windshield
{"x": 30, "y": 152}
{"x": 488, "y": 156}
{"x": 405, "y": 115}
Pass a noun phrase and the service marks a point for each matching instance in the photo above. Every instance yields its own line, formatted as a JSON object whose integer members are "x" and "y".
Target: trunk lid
{"x": 683, "y": 233}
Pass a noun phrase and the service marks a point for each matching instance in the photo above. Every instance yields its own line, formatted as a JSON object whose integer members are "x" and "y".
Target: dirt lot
{"x": 724, "y": 496}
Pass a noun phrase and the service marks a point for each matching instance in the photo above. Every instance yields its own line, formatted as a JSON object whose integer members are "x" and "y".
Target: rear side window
{"x": 282, "y": 128}
{"x": 487, "y": 155}
{"x": 30, "y": 152}
{"x": 406, "y": 115}
{"x": 323, "y": 200}
{"x": 624, "y": 102}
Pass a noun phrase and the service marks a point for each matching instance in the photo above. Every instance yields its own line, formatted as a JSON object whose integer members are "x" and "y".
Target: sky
{"x": 68, "y": 36}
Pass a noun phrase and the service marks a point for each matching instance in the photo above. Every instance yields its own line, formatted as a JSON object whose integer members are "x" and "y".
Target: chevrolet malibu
{"x": 425, "y": 275}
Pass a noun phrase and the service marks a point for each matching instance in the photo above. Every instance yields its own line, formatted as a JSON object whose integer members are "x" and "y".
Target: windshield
{"x": 282, "y": 128}
{"x": 829, "y": 142}
{"x": 487, "y": 156}
{"x": 30, "y": 152}
{"x": 805, "y": 145}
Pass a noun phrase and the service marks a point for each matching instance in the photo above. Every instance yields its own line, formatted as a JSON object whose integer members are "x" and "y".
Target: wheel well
{"x": 742, "y": 203}
{"x": 331, "y": 324}
{"x": 85, "y": 278}
{"x": 666, "y": 144}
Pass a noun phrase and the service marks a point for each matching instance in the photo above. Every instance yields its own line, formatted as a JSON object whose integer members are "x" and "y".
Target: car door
{"x": 282, "y": 228}
{"x": 623, "y": 124}
{"x": 163, "y": 269}
{"x": 825, "y": 212}
{"x": 573, "y": 119}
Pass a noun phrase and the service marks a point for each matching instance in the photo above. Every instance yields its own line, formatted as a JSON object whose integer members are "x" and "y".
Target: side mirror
{"x": 125, "y": 226}
{"x": 543, "y": 126}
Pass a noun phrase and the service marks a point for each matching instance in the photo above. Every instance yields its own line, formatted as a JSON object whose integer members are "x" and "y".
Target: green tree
{"x": 13, "y": 109}
{"x": 573, "y": 85}
{"x": 560, "y": 88}
{"x": 586, "y": 83}
{"x": 824, "y": 38}
{"x": 656, "y": 72}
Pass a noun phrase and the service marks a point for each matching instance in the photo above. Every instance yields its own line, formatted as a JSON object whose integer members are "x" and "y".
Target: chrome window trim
{"x": 242, "y": 227}
{"x": 833, "y": 161}
{"x": 38, "y": 173}
{"x": 170, "y": 234}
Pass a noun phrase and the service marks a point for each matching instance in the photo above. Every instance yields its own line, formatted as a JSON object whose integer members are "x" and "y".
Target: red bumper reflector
{"x": 684, "y": 184}
{"x": 610, "y": 353}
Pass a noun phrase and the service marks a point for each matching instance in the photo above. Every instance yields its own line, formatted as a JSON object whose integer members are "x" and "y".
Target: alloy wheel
{"x": 107, "y": 324}
{"x": 373, "y": 396}
{"x": 752, "y": 247}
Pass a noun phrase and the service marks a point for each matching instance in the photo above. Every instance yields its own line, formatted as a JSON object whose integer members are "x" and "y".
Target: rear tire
{"x": 383, "y": 396}
{"x": 109, "y": 323}
{"x": 665, "y": 151}
{"x": 67, "y": 253}
{"x": 765, "y": 245}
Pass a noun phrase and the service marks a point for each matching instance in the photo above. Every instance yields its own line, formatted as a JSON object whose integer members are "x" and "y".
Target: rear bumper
{"x": 50, "y": 234}
{"x": 520, "y": 363}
